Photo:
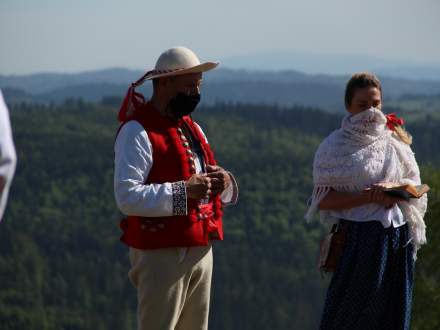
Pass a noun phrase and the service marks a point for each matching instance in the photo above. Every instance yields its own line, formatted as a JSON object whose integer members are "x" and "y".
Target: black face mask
{"x": 183, "y": 104}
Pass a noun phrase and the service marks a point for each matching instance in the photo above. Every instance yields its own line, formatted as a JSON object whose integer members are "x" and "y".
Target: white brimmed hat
{"x": 173, "y": 62}
{"x": 178, "y": 61}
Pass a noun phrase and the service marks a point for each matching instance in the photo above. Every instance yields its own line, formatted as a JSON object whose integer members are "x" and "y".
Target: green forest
{"x": 62, "y": 265}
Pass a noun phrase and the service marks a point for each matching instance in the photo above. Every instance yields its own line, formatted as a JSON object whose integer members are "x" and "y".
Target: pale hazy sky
{"x": 77, "y": 35}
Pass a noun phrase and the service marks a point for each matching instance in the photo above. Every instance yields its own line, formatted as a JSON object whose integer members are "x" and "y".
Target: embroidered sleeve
{"x": 179, "y": 198}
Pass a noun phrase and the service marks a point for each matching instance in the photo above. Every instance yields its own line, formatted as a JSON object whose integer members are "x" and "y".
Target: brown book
{"x": 407, "y": 191}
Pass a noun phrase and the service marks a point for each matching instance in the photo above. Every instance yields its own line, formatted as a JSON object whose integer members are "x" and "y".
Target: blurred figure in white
{"x": 8, "y": 158}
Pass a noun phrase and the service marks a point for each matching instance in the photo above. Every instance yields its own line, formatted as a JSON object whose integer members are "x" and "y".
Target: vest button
{"x": 191, "y": 159}
{"x": 179, "y": 130}
{"x": 193, "y": 167}
{"x": 200, "y": 216}
{"x": 186, "y": 144}
{"x": 189, "y": 152}
{"x": 183, "y": 137}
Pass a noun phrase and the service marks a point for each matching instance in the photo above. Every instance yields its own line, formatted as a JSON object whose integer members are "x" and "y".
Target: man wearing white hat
{"x": 172, "y": 192}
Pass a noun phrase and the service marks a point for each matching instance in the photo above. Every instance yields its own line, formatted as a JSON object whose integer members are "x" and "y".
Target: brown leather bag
{"x": 332, "y": 246}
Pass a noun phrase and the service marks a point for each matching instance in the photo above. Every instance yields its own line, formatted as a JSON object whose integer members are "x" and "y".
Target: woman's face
{"x": 364, "y": 99}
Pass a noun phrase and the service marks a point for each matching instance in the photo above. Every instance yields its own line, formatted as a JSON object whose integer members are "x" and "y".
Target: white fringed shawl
{"x": 361, "y": 153}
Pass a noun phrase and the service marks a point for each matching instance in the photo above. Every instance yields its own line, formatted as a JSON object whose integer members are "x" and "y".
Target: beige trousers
{"x": 172, "y": 294}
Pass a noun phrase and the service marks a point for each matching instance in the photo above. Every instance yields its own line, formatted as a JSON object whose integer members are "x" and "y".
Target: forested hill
{"x": 63, "y": 267}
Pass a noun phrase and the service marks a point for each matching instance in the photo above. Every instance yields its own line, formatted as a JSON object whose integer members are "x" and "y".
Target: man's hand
{"x": 198, "y": 186}
{"x": 220, "y": 179}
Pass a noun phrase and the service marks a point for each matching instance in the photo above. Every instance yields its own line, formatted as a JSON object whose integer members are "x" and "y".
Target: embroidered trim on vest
{"x": 179, "y": 198}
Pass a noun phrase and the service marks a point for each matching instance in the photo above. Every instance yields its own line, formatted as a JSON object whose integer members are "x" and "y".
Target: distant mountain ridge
{"x": 285, "y": 88}
{"x": 334, "y": 64}
{"x": 44, "y": 82}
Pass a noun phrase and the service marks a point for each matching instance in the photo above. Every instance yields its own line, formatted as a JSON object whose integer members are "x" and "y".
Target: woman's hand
{"x": 376, "y": 194}
{"x": 337, "y": 200}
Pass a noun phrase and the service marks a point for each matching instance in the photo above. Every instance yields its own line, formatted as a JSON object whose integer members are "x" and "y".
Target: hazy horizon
{"x": 60, "y": 36}
{"x": 301, "y": 63}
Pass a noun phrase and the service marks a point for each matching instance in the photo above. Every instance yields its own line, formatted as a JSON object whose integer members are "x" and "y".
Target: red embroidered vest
{"x": 172, "y": 162}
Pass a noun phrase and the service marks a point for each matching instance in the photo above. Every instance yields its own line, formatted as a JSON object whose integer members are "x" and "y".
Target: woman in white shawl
{"x": 372, "y": 285}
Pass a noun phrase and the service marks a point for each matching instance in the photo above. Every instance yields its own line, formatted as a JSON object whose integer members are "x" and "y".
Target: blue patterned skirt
{"x": 372, "y": 285}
